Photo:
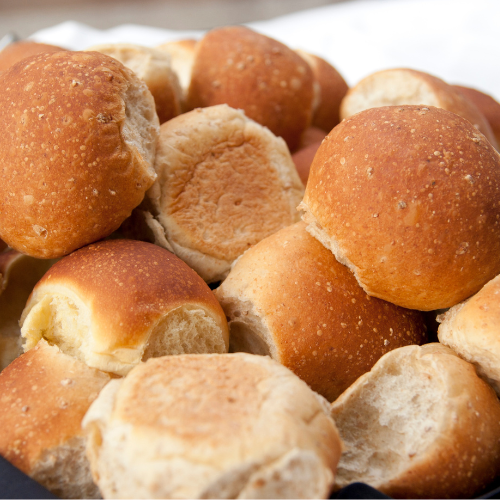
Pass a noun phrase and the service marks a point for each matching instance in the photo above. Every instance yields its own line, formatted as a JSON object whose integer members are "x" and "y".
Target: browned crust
{"x": 68, "y": 177}
{"x": 21, "y": 50}
{"x": 424, "y": 184}
{"x": 128, "y": 286}
{"x": 324, "y": 327}
{"x": 303, "y": 159}
{"x": 44, "y": 395}
{"x": 488, "y": 106}
{"x": 249, "y": 71}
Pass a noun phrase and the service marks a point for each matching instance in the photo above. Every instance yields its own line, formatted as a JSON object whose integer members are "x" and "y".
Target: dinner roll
{"x": 154, "y": 68}
{"x": 224, "y": 183}
{"x": 472, "y": 330}
{"x": 249, "y": 71}
{"x": 78, "y": 141}
{"x": 486, "y": 104}
{"x": 211, "y": 426}
{"x": 420, "y": 424}
{"x": 303, "y": 159}
{"x": 392, "y": 87}
{"x": 18, "y": 51}
{"x": 289, "y": 298}
{"x": 44, "y": 395}
{"x": 20, "y": 274}
{"x": 408, "y": 198}
{"x": 331, "y": 90}
{"x": 116, "y": 303}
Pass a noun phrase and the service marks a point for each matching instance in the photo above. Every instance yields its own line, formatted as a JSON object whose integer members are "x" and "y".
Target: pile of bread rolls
{"x": 212, "y": 287}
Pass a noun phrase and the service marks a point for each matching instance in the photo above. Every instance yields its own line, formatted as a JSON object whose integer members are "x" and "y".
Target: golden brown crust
{"x": 303, "y": 159}
{"x": 424, "y": 183}
{"x": 321, "y": 323}
{"x": 128, "y": 287}
{"x": 21, "y": 50}
{"x": 79, "y": 131}
{"x": 43, "y": 398}
{"x": 486, "y": 104}
{"x": 249, "y": 71}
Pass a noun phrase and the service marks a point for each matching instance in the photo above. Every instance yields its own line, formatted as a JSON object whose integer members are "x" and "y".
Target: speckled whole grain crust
{"x": 124, "y": 292}
{"x": 212, "y": 426}
{"x": 246, "y": 70}
{"x": 224, "y": 183}
{"x": 44, "y": 395}
{"x": 408, "y": 197}
{"x": 78, "y": 140}
{"x": 399, "y": 86}
{"x": 309, "y": 312}
{"x": 420, "y": 424}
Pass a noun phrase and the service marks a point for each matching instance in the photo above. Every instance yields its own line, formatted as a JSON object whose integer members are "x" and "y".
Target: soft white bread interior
{"x": 20, "y": 274}
{"x": 211, "y": 426}
{"x": 119, "y": 302}
{"x": 420, "y": 424}
{"x": 224, "y": 183}
{"x": 44, "y": 395}
{"x": 472, "y": 330}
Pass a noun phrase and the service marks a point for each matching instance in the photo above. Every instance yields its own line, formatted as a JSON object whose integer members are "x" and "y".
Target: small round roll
{"x": 247, "y": 70}
{"x": 472, "y": 330}
{"x": 78, "y": 141}
{"x": 289, "y": 298}
{"x": 224, "y": 183}
{"x": 420, "y": 424}
{"x": 211, "y": 426}
{"x": 18, "y": 51}
{"x": 392, "y": 87}
{"x": 155, "y": 69}
{"x": 119, "y": 302}
{"x": 44, "y": 397}
{"x": 408, "y": 198}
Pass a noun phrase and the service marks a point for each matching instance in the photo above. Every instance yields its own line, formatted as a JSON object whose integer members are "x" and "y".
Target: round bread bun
{"x": 332, "y": 89}
{"x": 116, "y": 303}
{"x": 20, "y": 274}
{"x": 44, "y": 397}
{"x": 154, "y": 68}
{"x": 393, "y": 87}
{"x": 420, "y": 424}
{"x": 303, "y": 159}
{"x": 311, "y": 135}
{"x": 224, "y": 183}
{"x": 488, "y": 106}
{"x": 246, "y": 70}
{"x": 289, "y": 298}
{"x": 18, "y": 51}
{"x": 211, "y": 426}
{"x": 181, "y": 54}
{"x": 408, "y": 198}
{"x": 472, "y": 330}
{"x": 78, "y": 142}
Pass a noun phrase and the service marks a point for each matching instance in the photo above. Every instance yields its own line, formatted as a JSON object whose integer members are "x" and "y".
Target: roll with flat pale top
{"x": 408, "y": 197}
{"x": 78, "y": 142}
{"x": 116, "y": 303}
{"x": 211, "y": 426}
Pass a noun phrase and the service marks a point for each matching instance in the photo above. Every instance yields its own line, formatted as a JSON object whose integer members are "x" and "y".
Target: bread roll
{"x": 154, "y": 68}
{"x": 486, "y": 104}
{"x": 119, "y": 302}
{"x": 211, "y": 426}
{"x": 303, "y": 159}
{"x": 408, "y": 198}
{"x": 393, "y": 87}
{"x": 44, "y": 395}
{"x": 472, "y": 330}
{"x": 224, "y": 183}
{"x": 332, "y": 89}
{"x": 421, "y": 424}
{"x": 20, "y": 274}
{"x": 78, "y": 141}
{"x": 289, "y": 298}
{"x": 18, "y": 51}
{"x": 246, "y": 70}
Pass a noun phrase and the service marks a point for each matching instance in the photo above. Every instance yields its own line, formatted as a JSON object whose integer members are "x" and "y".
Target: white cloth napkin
{"x": 457, "y": 40}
